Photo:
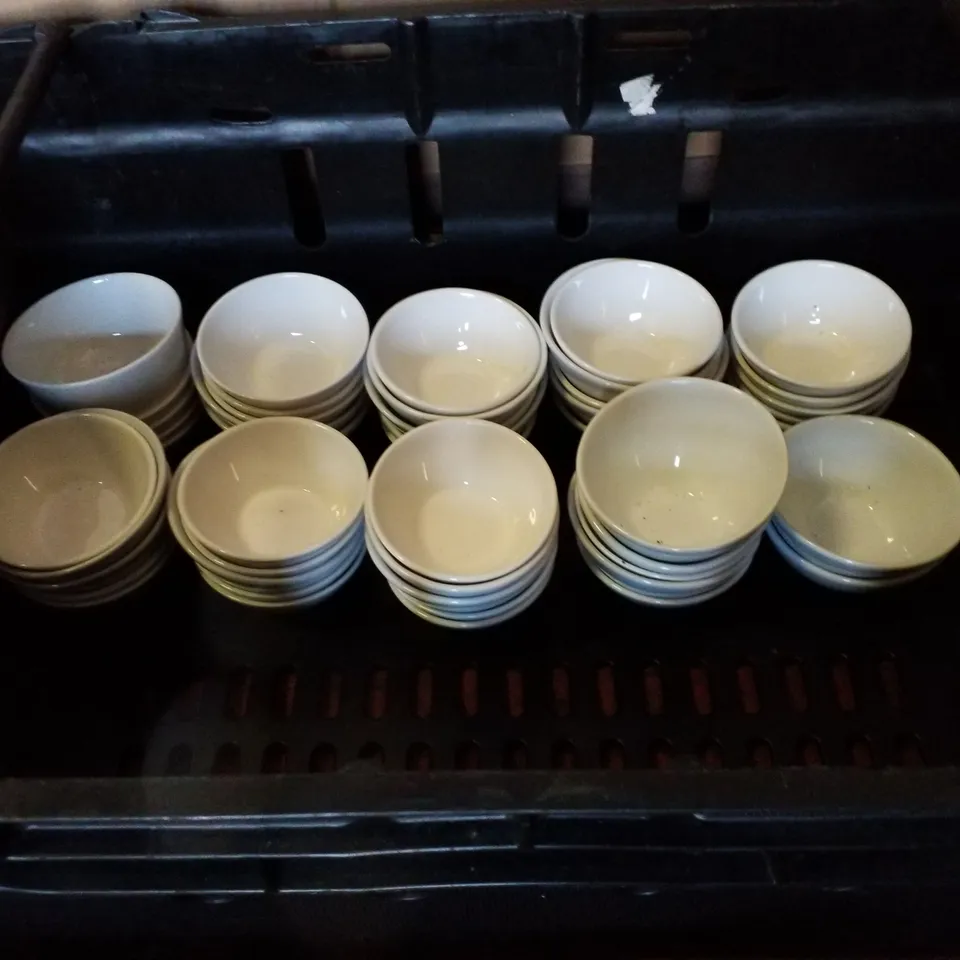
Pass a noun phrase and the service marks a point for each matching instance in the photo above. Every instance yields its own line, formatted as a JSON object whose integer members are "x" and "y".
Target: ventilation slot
{"x": 469, "y": 691}
{"x": 711, "y": 755}
{"x": 227, "y": 760}
{"x": 660, "y": 754}
{"x": 515, "y": 693}
{"x": 323, "y": 758}
{"x": 515, "y": 756}
{"x": 843, "y": 686}
{"x": 285, "y": 691}
{"x": 630, "y": 41}
{"x": 330, "y": 695}
{"x": 419, "y": 757}
{"x": 809, "y": 752}
{"x": 653, "y": 690}
{"x": 700, "y": 160}
{"x": 237, "y": 704}
{"x": 760, "y": 754}
{"x": 890, "y": 682}
{"x": 796, "y": 688}
{"x": 612, "y": 756}
{"x": 564, "y": 755}
{"x": 348, "y": 53}
{"x": 607, "y": 690}
{"x": 241, "y": 115}
{"x": 303, "y": 196}
{"x": 861, "y": 753}
{"x": 700, "y": 688}
{"x": 908, "y": 751}
{"x": 560, "y": 684}
{"x": 467, "y": 756}
{"x": 372, "y": 753}
{"x": 575, "y": 185}
{"x": 426, "y": 192}
{"x": 747, "y": 686}
{"x": 377, "y": 694}
{"x": 274, "y": 759}
{"x": 423, "y": 698}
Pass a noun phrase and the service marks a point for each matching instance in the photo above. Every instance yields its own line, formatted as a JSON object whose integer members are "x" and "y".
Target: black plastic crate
{"x": 777, "y": 765}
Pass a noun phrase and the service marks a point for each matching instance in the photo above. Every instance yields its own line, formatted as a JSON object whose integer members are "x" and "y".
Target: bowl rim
{"x": 819, "y": 388}
{"x": 138, "y": 517}
{"x": 615, "y": 379}
{"x": 266, "y": 423}
{"x": 836, "y": 560}
{"x": 419, "y": 406}
{"x": 142, "y": 360}
{"x": 661, "y": 550}
{"x": 459, "y": 423}
{"x": 314, "y": 397}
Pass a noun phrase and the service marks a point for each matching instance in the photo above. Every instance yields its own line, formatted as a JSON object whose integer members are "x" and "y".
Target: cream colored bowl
{"x": 632, "y": 320}
{"x": 682, "y": 469}
{"x": 462, "y": 501}
{"x": 867, "y": 496}
{"x": 272, "y": 492}
{"x": 455, "y": 352}
{"x": 284, "y": 340}
{"x": 818, "y": 327}
{"x": 72, "y": 487}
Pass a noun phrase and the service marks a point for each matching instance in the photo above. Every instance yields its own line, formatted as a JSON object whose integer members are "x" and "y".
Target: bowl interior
{"x": 685, "y": 464}
{"x": 282, "y": 338}
{"x": 821, "y": 324}
{"x": 272, "y": 490}
{"x": 91, "y": 328}
{"x": 455, "y": 351}
{"x": 73, "y": 486}
{"x": 870, "y": 491}
{"x": 462, "y": 500}
{"x": 636, "y": 321}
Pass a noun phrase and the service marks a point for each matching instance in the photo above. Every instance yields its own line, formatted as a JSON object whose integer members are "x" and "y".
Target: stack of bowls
{"x": 868, "y": 504}
{"x": 271, "y": 512}
{"x": 675, "y": 482}
{"x": 284, "y": 345}
{"x": 815, "y": 338}
{"x": 612, "y": 324}
{"x": 81, "y": 508}
{"x": 462, "y": 521}
{"x": 456, "y": 353}
{"x": 111, "y": 341}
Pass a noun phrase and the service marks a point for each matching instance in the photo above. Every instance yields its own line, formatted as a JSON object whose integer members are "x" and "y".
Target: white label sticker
{"x": 639, "y": 95}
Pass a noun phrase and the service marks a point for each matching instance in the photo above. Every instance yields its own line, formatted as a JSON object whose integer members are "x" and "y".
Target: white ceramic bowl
{"x": 73, "y": 487}
{"x": 869, "y": 496}
{"x": 509, "y": 413}
{"x": 631, "y": 321}
{"x": 588, "y": 528}
{"x": 111, "y": 341}
{"x": 455, "y": 352}
{"x": 665, "y": 602}
{"x": 283, "y": 341}
{"x": 838, "y": 581}
{"x": 818, "y": 327}
{"x": 478, "y": 593}
{"x": 272, "y": 492}
{"x": 682, "y": 469}
{"x": 462, "y": 501}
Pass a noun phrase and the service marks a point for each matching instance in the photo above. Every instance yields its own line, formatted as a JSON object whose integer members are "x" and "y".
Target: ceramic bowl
{"x": 631, "y": 321}
{"x": 610, "y": 549}
{"x": 74, "y": 487}
{"x": 682, "y": 469}
{"x": 109, "y": 341}
{"x": 508, "y": 413}
{"x": 283, "y": 341}
{"x": 820, "y": 328}
{"x": 462, "y": 501}
{"x": 838, "y": 581}
{"x": 867, "y": 496}
{"x": 479, "y": 619}
{"x": 282, "y": 603}
{"x": 331, "y": 407}
{"x": 664, "y": 602}
{"x": 409, "y": 579}
{"x": 272, "y": 492}
{"x": 454, "y": 352}
{"x": 315, "y": 569}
